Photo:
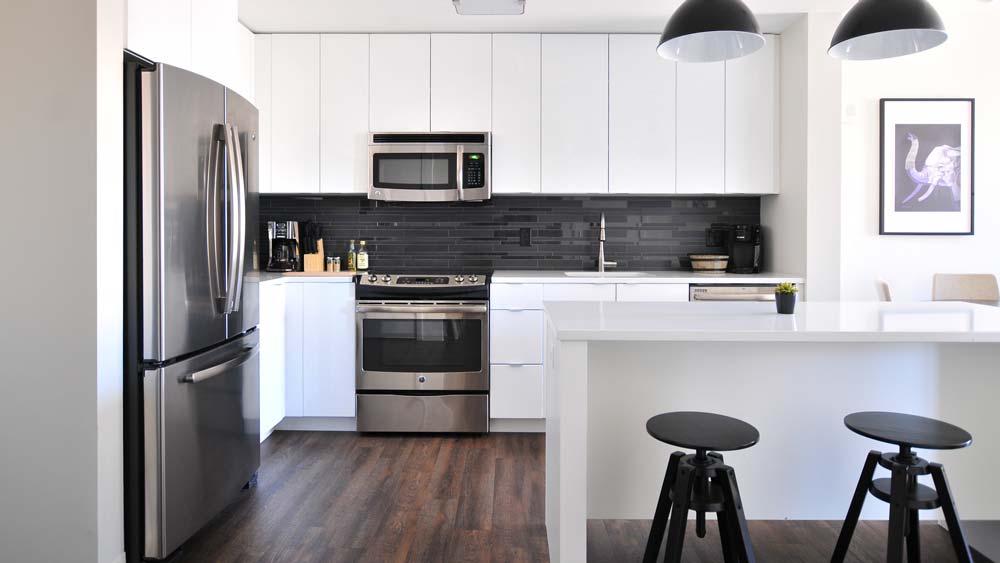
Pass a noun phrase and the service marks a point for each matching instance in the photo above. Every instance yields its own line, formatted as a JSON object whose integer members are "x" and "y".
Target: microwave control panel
{"x": 474, "y": 170}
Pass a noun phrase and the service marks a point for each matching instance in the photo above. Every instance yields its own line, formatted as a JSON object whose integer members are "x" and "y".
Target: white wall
{"x": 962, "y": 67}
{"x": 60, "y": 415}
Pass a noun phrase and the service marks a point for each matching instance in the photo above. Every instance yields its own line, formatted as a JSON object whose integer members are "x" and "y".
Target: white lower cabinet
{"x": 516, "y": 337}
{"x": 272, "y": 357}
{"x": 653, "y": 292}
{"x": 517, "y": 391}
{"x": 328, "y": 355}
{"x": 293, "y": 349}
{"x": 578, "y": 292}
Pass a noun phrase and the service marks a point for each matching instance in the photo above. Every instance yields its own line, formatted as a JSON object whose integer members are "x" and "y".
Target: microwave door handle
{"x": 460, "y": 157}
{"x": 240, "y": 220}
{"x": 213, "y": 216}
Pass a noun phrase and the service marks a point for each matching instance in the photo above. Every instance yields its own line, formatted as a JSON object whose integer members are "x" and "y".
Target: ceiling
{"x": 583, "y": 16}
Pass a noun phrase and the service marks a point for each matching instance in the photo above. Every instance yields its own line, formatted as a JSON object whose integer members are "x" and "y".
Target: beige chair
{"x": 882, "y": 289}
{"x": 966, "y": 287}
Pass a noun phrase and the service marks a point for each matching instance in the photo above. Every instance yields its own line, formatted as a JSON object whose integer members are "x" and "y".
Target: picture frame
{"x": 927, "y": 166}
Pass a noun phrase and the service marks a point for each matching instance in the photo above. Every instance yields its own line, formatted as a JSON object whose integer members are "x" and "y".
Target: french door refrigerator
{"x": 191, "y": 362}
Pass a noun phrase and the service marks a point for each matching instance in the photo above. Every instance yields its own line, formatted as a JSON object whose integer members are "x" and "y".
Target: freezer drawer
{"x": 201, "y": 427}
{"x": 423, "y": 413}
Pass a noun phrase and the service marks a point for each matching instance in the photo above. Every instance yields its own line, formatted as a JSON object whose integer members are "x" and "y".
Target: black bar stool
{"x": 906, "y": 497}
{"x": 700, "y": 482}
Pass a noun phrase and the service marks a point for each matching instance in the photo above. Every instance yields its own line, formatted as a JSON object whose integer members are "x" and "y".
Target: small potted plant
{"x": 784, "y": 297}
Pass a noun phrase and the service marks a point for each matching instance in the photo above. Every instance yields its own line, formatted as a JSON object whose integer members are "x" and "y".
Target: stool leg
{"x": 660, "y": 517}
{"x": 854, "y": 512}
{"x": 679, "y": 518}
{"x": 950, "y": 514}
{"x": 897, "y": 517}
{"x": 734, "y": 503}
{"x": 913, "y": 535}
{"x": 725, "y": 536}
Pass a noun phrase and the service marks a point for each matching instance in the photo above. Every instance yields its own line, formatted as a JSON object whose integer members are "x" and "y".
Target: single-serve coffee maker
{"x": 282, "y": 246}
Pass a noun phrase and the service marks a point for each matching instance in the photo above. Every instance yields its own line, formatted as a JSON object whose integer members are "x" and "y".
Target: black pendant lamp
{"x": 882, "y": 29}
{"x": 703, "y": 31}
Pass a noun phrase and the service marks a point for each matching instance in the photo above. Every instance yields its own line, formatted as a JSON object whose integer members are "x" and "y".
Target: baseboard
{"x": 531, "y": 425}
{"x": 318, "y": 424}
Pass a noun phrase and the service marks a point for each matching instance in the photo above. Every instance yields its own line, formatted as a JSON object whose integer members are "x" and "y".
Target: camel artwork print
{"x": 926, "y": 184}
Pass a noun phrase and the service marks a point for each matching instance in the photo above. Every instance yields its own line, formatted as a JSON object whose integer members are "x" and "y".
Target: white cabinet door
{"x": 642, "y": 91}
{"x": 516, "y": 296}
{"x": 653, "y": 292}
{"x": 214, "y": 42}
{"x": 517, "y": 392}
{"x": 517, "y": 107}
{"x": 460, "y": 81}
{"x": 293, "y": 349}
{"x": 701, "y": 128}
{"x": 400, "y": 82}
{"x": 328, "y": 354}
{"x": 262, "y": 99}
{"x": 343, "y": 114}
{"x": 578, "y": 292}
{"x": 751, "y": 121}
{"x": 575, "y": 114}
{"x": 295, "y": 72}
{"x": 272, "y": 356}
{"x": 160, "y": 30}
{"x": 516, "y": 337}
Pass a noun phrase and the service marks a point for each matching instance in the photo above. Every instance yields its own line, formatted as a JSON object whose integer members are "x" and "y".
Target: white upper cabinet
{"x": 262, "y": 99}
{"x": 343, "y": 114}
{"x": 517, "y": 107}
{"x": 400, "y": 82}
{"x": 751, "y": 121}
{"x": 701, "y": 128}
{"x": 460, "y": 81}
{"x": 295, "y": 138}
{"x": 575, "y": 114}
{"x": 642, "y": 96}
{"x": 160, "y": 30}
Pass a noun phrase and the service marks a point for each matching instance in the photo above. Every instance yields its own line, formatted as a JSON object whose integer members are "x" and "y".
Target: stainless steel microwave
{"x": 429, "y": 166}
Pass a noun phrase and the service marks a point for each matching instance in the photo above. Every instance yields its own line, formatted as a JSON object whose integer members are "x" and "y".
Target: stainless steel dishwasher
{"x": 731, "y": 292}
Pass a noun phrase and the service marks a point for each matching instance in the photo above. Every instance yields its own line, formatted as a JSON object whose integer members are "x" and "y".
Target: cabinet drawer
{"x": 516, "y": 337}
{"x": 654, "y": 292}
{"x": 516, "y": 296}
{"x": 579, "y": 292}
{"x": 517, "y": 392}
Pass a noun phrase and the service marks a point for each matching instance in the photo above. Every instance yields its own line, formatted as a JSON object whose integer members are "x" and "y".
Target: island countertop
{"x": 813, "y": 321}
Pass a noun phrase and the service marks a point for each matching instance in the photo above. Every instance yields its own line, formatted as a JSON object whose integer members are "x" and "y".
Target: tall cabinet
{"x": 752, "y": 121}
{"x": 701, "y": 128}
{"x": 517, "y": 113}
{"x": 343, "y": 113}
{"x": 295, "y": 123}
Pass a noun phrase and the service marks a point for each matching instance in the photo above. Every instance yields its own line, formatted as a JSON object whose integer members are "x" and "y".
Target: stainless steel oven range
{"x": 423, "y": 353}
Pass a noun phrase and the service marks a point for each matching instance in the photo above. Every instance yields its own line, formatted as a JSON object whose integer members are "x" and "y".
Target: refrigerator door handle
{"x": 218, "y": 369}
{"x": 234, "y": 214}
{"x": 213, "y": 214}
{"x": 241, "y": 219}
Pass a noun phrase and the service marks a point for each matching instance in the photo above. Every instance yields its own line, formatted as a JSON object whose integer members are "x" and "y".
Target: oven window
{"x": 427, "y": 346}
{"x": 415, "y": 171}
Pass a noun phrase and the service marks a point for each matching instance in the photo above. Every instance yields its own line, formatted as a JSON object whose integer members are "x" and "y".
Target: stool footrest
{"x": 923, "y": 498}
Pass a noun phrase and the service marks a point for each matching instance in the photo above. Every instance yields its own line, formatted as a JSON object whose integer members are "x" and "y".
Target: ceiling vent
{"x": 489, "y": 7}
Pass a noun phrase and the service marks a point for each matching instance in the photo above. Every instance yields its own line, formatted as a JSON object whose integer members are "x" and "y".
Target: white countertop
{"x": 612, "y": 276}
{"x": 301, "y": 277}
{"x": 815, "y": 321}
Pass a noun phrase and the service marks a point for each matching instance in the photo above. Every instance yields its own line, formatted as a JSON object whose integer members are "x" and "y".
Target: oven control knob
{"x": 422, "y": 379}
{"x": 473, "y": 278}
{"x": 372, "y": 278}
{"x": 459, "y": 279}
{"x": 386, "y": 278}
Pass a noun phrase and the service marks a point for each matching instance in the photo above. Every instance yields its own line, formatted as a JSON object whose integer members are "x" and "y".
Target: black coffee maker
{"x": 282, "y": 246}
{"x": 743, "y": 243}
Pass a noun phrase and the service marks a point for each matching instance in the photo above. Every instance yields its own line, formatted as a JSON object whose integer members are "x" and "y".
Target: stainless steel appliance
{"x": 283, "y": 246}
{"x": 423, "y": 353}
{"x": 429, "y": 166}
{"x": 191, "y": 365}
{"x": 727, "y": 292}
{"x": 744, "y": 243}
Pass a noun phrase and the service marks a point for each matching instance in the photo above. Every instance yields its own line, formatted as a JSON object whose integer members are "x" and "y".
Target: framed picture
{"x": 927, "y": 166}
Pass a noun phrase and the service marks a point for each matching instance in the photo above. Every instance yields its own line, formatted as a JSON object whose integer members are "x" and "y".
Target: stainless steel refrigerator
{"x": 191, "y": 360}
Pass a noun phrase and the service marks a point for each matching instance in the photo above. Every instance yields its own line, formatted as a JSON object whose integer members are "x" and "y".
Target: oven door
{"x": 423, "y": 346}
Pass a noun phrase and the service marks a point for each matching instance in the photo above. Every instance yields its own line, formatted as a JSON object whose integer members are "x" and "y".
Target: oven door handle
{"x": 374, "y": 308}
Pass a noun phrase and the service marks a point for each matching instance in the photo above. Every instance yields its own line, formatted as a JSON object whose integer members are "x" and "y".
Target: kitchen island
{"x": 610, "y": 366}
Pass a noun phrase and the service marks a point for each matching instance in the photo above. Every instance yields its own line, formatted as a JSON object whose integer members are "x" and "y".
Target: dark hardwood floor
{"x": 338, "y": 496}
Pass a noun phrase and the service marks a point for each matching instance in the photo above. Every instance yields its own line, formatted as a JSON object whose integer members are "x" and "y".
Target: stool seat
{"x": 908, "y": 430}
{"x": 702, "y": 431}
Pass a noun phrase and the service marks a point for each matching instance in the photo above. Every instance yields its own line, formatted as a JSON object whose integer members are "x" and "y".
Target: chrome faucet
{"x": 601, "y": 261}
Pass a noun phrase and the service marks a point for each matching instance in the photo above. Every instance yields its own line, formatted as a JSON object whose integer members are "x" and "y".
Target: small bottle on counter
{"x": 329, "y": 263}
{"x": 336, "y": 263}
{"x": 352, "y": 258}
{"x": 363, "y": 257}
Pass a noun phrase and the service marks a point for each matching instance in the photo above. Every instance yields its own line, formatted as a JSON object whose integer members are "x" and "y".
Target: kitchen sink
{"x": 607, "y": 274}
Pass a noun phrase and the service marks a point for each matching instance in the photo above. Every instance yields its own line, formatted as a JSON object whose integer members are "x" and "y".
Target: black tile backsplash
{"x": 643, "y": 233}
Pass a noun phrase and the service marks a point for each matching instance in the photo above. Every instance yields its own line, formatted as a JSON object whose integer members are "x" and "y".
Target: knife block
{"x": 314, "y": 262}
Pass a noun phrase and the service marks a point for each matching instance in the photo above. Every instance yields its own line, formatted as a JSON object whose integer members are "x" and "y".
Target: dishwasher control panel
{"x": 723, "y": 292}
